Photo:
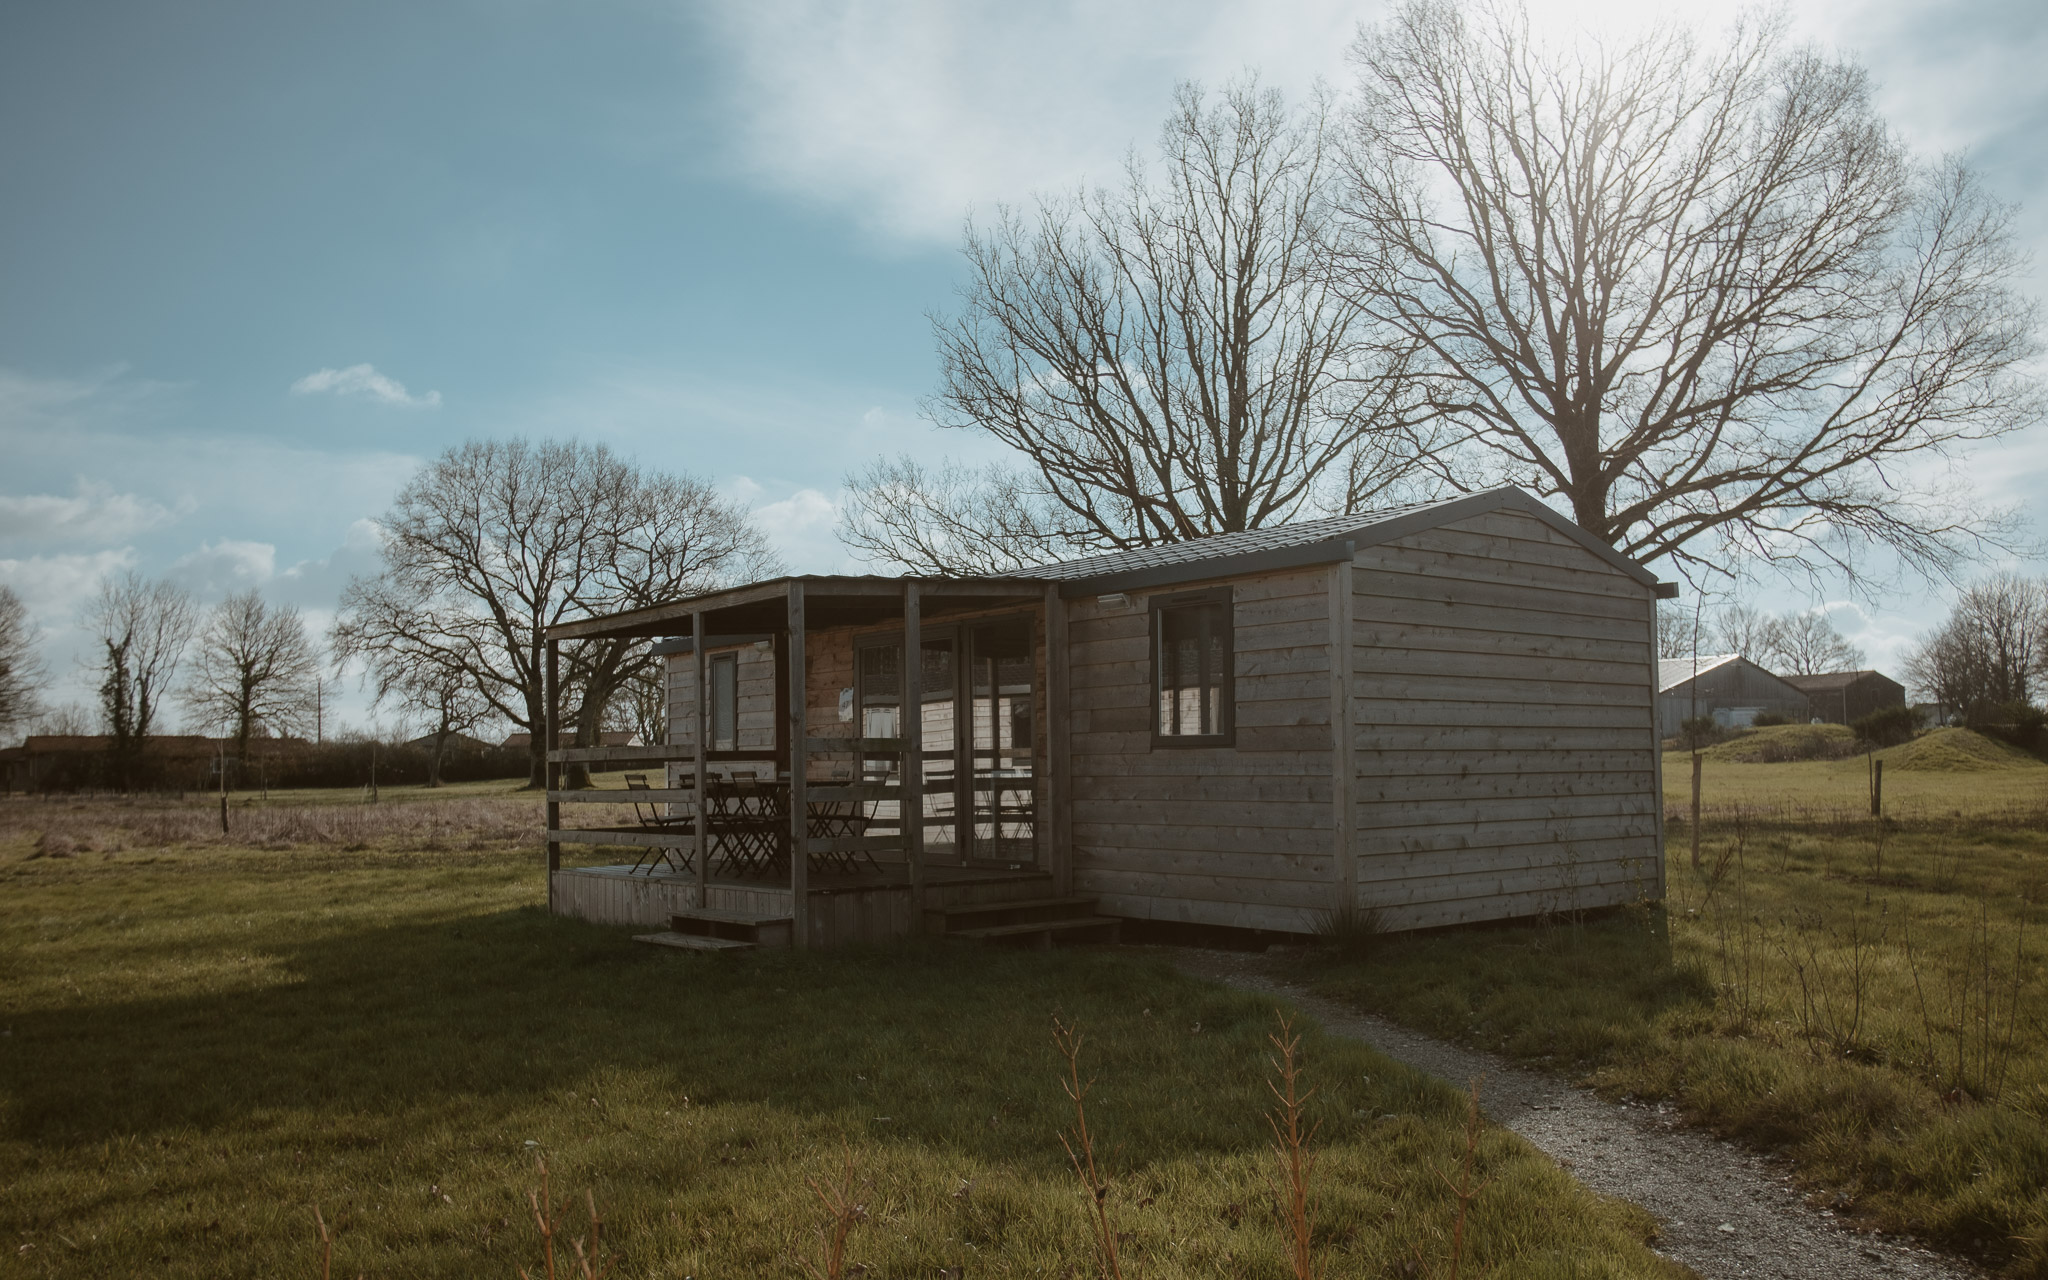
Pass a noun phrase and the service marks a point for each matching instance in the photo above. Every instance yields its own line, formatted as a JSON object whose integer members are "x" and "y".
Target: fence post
{"x": 1697, "y": 761}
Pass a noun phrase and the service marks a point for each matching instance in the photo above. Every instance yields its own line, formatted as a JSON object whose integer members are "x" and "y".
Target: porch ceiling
{"x": 828, "y": 602}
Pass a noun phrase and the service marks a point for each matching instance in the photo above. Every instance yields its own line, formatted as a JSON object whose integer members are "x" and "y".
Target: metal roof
{"x": 1672, "y": 672}
{"x": 1303, "y": 533}
{"x": 1827, "y": 681}
{"x": 1223, "y": 555}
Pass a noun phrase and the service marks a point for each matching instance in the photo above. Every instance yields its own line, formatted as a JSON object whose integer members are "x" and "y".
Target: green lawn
{"x": 1865, "y": 997}
{"x": 201, "y": 1043}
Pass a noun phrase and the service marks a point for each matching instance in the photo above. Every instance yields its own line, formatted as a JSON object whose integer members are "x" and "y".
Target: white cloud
{"x": 363, "y": 380}
{"x": 56, "y": 587}
{"x": 94, "y": 513}
{"x": 910, "y": 112}
{"x": 799, "y": 527}
{"x": 225, "y": 565}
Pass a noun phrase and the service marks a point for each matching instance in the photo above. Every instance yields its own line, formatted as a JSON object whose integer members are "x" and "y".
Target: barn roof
{"x": 1672, "y": 672}
{"x": 1829, "y": 681}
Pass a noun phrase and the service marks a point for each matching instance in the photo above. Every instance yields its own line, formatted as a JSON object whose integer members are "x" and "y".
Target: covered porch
{"x": 812, "y": 774}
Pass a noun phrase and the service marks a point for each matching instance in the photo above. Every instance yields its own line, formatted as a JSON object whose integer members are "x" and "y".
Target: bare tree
{"x": 1986, "y": 657}
{"x": 70, "y": 720}
{"x": 951, "y": 519}
{"x": 667, "y": 537}
{"x": 1808, "y": 643}
{"x": 1676, "y": 634}
{"x": 495, "y": 542}
{"x": 444, "y": 702}
{"x": 254, "y": 673}
{"x": 1167, "y": 359}
{"x": 22, "y": 672}
{"x": 1697, "y": 291}
{"x": 141, "y": 629}
{"x": 1744, "y": 629}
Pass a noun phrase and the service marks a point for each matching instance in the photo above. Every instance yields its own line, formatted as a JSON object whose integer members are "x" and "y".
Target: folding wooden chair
{"x": 649, "y": 815}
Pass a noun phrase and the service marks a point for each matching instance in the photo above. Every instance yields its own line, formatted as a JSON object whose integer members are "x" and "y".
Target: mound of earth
{"x": 1781, "y": 743}
{"x": 1956, "y": 751}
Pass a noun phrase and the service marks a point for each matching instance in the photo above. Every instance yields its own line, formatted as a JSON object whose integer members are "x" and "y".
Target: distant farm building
{"x": 1844, "y": 697}
{"x": 1727, "y": 688}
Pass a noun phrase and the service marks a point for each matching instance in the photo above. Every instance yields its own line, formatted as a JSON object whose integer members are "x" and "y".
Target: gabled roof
{"x": 1303, "y": 542}
{"x": 1225, "y": 555}
{"x": 1829, "y": 681}
{"x": 1672, "y": 672}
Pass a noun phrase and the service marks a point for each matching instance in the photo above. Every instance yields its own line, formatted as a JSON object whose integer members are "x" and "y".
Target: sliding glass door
{"x": 1002, "y": 795}
{"x": 978, "y": 783}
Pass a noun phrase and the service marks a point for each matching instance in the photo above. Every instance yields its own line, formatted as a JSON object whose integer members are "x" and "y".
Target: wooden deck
{"x": 844, "y": 908}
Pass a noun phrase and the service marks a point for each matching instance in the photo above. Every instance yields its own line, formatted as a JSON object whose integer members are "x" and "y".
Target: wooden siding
{"x": 1503, "y": 726}
{"x": 755, "y": 728}
{"x": 1241, "y": 835}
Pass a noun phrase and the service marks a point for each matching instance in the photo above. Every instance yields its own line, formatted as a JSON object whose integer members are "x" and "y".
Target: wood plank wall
{"x": 1238, "y": 836}
{"x": 1503, "y": 721}
{"x": 756, "y": 727}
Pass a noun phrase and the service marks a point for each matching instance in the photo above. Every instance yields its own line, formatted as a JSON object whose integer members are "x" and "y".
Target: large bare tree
{"x": 141, "y": 628}
{"x": 254, "y": 672}
{"x": 443, "y": 701}
{"x": 951, "y": 519}
{"x": 22, "y": 672}
{"x": 1989, "y": 654}
{"x": 1166, "y": 359}
{"x": 496, "y": 541}
{"x": 1697, "y": 291}
{"x": 1808, "y": 643}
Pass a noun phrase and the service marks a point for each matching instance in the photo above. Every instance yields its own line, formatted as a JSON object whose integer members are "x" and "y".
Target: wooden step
{"x": 755, "y": 928}
{"x": 954, "y": 918}
{"x": 1045, "y": 933}
{"x": 693, "y": 942}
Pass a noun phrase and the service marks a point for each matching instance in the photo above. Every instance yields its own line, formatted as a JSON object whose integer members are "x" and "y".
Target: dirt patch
{"x": 1722, "y": 1211}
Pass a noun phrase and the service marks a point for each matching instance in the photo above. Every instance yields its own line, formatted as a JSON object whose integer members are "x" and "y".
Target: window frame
{"x": 1157, "y": 607}
{"x": 731, "y": 661}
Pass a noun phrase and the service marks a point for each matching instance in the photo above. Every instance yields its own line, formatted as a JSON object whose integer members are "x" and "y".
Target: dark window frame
{"x": 731, "y": 662}
{"x": 1158, "y": 607}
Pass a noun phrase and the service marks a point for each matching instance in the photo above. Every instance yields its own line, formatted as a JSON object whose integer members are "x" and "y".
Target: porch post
{"x": 1057, "y": 811}
{"x": 700, "y": 841}
{"x": 799, "y": 832}
{"x": 551, "y": 772}
{"x": 911, "y": 805}
{"x": 1343, "y": 768}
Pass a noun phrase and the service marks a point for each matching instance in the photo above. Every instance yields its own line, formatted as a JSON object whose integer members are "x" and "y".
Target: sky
{"x": 259, "y": 262}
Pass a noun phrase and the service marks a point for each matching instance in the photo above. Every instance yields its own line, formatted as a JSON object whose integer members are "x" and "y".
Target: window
{"x": 725, "y": 702}
{"x": 1191, "y": 670}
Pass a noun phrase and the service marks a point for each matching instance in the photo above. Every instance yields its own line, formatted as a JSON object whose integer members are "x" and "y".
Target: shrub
{"x": 1888, "y": 727}
{"x": 2020, "y": 723}
{"x": 1769, "y": 719}
{"x": 1700, "y": 731}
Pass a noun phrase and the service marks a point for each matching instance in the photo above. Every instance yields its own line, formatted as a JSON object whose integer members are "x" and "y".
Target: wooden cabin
{"x": 1441, "y": 713}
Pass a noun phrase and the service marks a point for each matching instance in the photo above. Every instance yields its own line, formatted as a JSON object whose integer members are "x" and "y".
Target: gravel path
{"x": 1722, "y": 1211}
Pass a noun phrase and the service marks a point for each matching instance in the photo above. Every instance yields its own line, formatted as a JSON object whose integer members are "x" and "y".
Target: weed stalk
{"x": 1292, "y": 1133}
{"x": 1464, "y": 1188}
{"x": 1080, "y": 1145}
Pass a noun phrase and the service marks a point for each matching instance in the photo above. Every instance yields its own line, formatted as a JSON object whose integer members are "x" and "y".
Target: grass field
{"x": 201, "y": 1041}
{"x": 1867, "y": 997}
{"x": 1947, "y": 774}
